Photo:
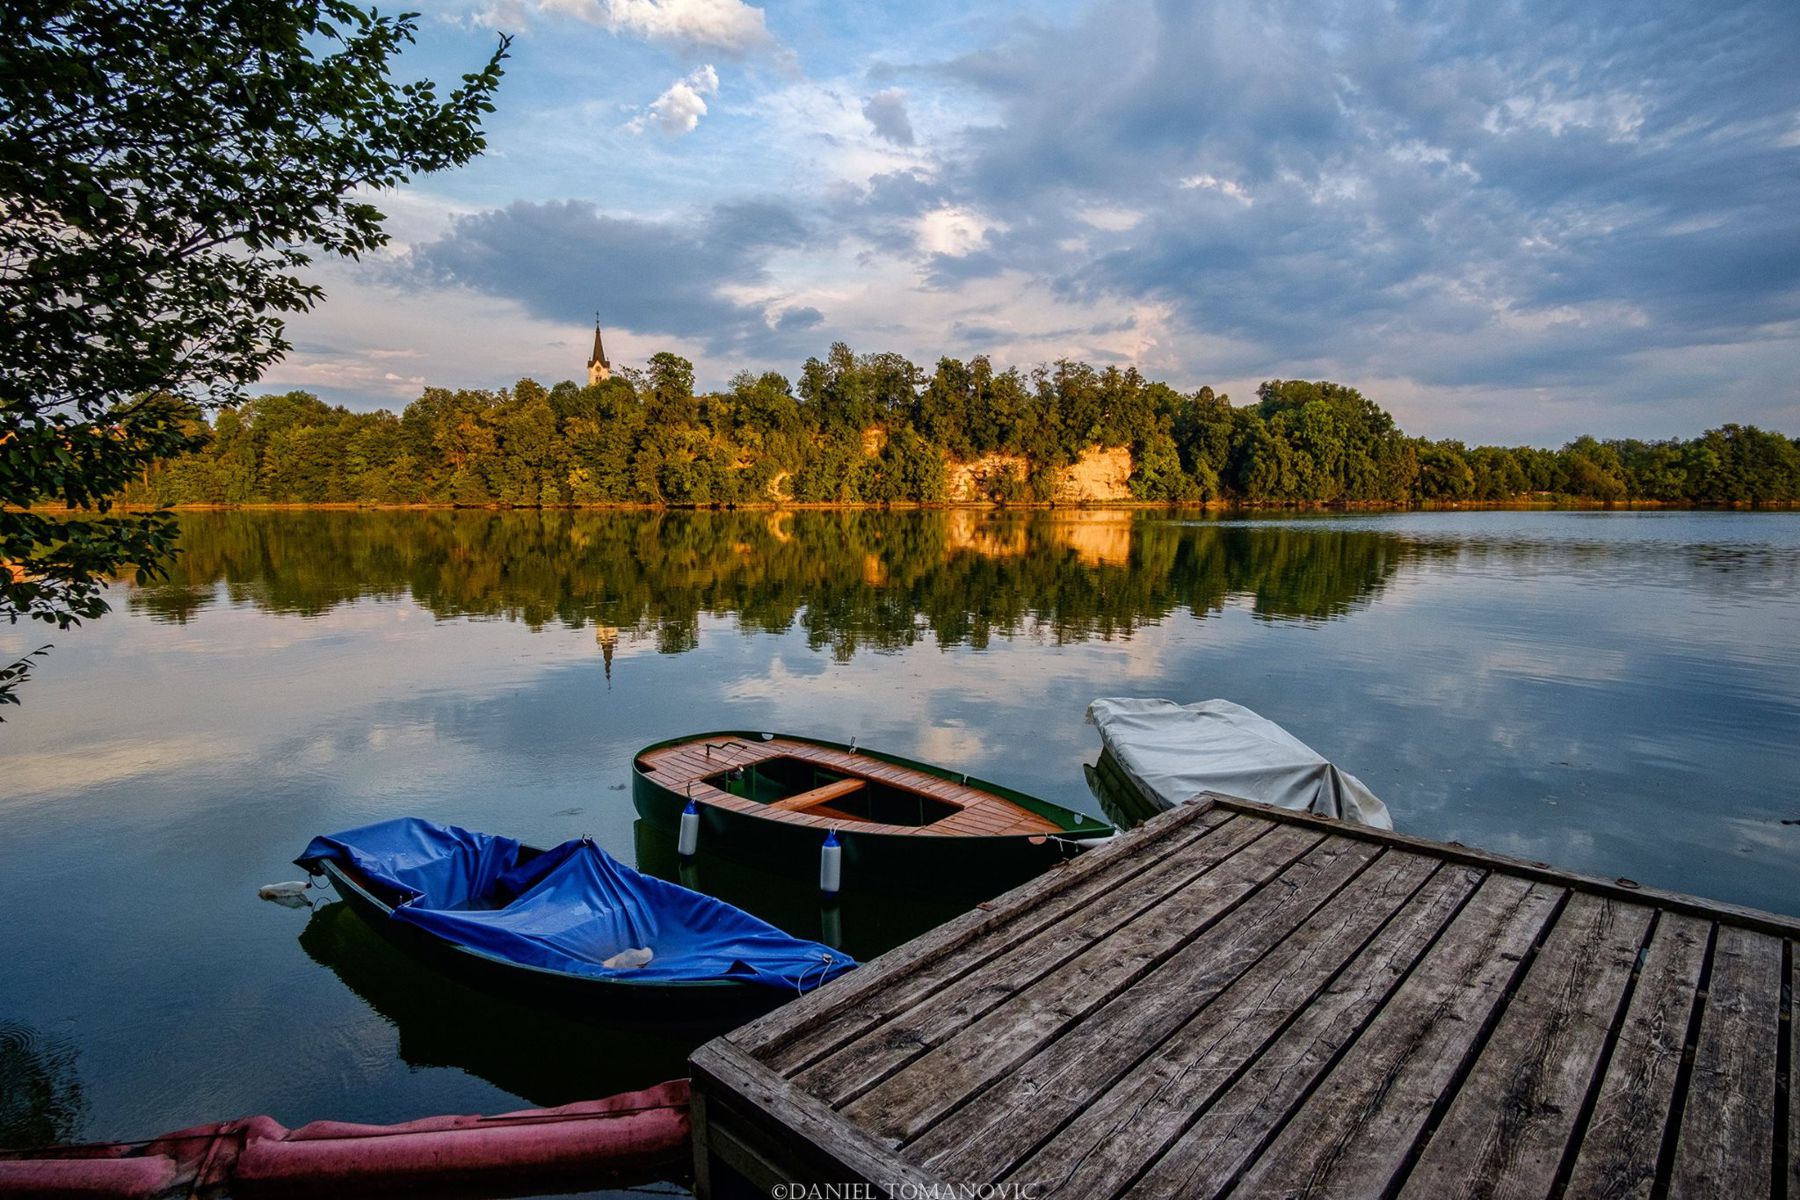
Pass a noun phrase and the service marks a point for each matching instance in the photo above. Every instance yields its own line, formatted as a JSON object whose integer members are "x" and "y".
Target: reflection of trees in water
{"x": 40, "y": 1096}
{"x": 861, "y": 580}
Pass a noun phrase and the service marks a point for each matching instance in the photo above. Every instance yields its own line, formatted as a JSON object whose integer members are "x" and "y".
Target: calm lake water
{"x": 1616, "y": 693}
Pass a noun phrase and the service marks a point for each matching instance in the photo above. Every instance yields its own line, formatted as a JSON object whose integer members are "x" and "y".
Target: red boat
{"x": 622, "y": 1140}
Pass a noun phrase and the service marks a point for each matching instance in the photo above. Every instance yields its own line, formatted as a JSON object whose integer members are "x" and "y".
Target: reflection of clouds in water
{"x": 1503, "y": 699}
{"x": 1769, "y": 833}
{"x": 1452, "y": 673}
{"x": 93, "y": 763}
{"x": 1548, "y": 846}
{"x": 1012, "y": 673}
{"x": 263, "y": 695}
{"x": 952, "y": 742}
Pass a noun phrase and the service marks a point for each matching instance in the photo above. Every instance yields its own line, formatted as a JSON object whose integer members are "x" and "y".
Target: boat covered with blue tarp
{"x": 571, "y": 912}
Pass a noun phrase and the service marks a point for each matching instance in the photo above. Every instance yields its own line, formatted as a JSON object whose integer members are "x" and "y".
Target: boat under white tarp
{"x": 1171, "y": 752}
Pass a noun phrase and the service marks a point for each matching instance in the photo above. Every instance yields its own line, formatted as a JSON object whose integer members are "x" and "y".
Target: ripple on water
{"x": 40, "y": 1094}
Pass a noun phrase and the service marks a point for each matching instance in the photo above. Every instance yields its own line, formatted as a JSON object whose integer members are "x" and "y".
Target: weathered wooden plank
{"x": 1777, "y": 924}
{"x": 1352, "y": 1134}
{"x": 1073, "y": 914}
{"x": 1007, "y": 1122}
{"x": 938, "y": 1011}
{"x": 1111, "y": 1139}
{"x": 1793, "y": 1093}
{"x": 751, "y": 1161}
{"x": 1624, "y": 1134}
{"x": 1727, "y": 1139}
{"x": 844, "y": 1007}
{"x": 825, "y": 1147}
{"x": 697, "y": 1140}
{"x": 960, "y": 1057}
{"x": 1227, "y": 1121}
{"x": 1505, "y": 1133}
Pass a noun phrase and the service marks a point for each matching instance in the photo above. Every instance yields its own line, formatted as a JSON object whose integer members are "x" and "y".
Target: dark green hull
{"x": 975, "y": 866}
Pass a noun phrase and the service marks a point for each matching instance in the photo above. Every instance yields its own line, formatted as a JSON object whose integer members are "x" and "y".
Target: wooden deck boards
{"x": 684, "y": 768}
{"x": 1234, "y": 1000}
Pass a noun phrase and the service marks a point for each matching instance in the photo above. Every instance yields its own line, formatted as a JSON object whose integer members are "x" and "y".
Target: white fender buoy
{"x": 289, "y": 895}
{"x": 629, "y": 960}
{"x": 689, "y": 839}
{"x": 831, "y": 864}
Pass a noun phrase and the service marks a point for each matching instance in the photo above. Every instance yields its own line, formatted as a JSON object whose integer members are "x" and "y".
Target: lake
{"x": 1614, "y": 693}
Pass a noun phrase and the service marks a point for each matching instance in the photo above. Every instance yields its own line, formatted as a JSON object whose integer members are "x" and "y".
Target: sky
{"x": 1510, "y": 221}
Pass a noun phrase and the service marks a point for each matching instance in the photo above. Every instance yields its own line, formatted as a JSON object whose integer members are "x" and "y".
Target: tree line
{"x": 875, "y": 428}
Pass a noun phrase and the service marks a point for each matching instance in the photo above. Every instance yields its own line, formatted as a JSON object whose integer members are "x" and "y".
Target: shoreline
{"x": 1535, "y": 504}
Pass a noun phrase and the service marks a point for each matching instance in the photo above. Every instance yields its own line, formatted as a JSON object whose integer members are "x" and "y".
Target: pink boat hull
{"x": 627, "y": 1138}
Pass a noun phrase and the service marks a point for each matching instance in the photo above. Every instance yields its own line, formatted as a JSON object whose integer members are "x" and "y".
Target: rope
{"x": 1070, "y": 844}
{"x": 825, "y": 961}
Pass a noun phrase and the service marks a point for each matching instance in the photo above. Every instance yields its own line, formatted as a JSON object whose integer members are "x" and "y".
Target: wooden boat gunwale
{"x": 1061, "y": 822}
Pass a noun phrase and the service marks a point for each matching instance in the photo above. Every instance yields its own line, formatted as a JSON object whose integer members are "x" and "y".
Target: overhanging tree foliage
{"x": 167, "y": 169}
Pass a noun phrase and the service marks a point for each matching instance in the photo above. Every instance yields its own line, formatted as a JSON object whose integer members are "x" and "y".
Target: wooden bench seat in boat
{"x": 819, "y": 795}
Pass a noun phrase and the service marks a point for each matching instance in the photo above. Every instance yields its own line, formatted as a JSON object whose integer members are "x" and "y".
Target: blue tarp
{"x": 569, "y": 909}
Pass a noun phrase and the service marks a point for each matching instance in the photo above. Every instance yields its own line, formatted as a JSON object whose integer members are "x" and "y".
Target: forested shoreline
{"x": 876, "y": 429}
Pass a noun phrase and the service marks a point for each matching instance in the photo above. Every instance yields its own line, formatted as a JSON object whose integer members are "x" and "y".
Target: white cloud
{"x": 1617, "y": 116}
{"x": 729, "y": 26}
{"x": 1225, "y": 187}
{"x": 1110, "y": 218}
{"x": 823, "y": 124}
{"x": 953, "y": 231}
{"x": 678, "y": 110}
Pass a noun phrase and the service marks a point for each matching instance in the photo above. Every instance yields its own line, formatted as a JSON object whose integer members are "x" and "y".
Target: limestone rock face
{"x": 1101, "y": 475}
{"x": 972, "y": 480}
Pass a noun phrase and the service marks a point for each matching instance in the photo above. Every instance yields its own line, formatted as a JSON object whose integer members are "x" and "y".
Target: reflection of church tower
{"x": 599, "y": 369}
{"x": 608, "y": 637}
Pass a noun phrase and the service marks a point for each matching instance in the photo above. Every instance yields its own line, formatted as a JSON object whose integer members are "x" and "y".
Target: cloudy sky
{"x": 1507, "y": 220}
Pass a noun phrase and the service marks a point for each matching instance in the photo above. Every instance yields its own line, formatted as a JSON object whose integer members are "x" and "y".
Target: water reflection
{"x": 546, "y": 1058}
{"x": 872, "y": 580}
{"x": 863, "y": 921}
{"x": 851, "y": 580}
{"x": 41, "y": 1101}
{"x": 1615, "y": 694}
{"x": 1124, "y": 805}
{"x": 554, "y": 1057}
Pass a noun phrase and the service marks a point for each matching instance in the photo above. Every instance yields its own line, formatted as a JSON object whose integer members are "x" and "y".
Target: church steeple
{"x": 598, "y": 368}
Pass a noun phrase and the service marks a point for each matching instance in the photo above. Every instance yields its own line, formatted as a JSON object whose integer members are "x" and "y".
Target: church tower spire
{"x": 599, "y": 369}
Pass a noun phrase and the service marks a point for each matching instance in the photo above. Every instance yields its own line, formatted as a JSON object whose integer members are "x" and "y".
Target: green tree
{"x": 669, "y": 390}
{"x": 1591, "y": 469}
{"x": 166, "y": 169}
{"x": 1497, "y": 473}
{"x": 1444, "y": 471}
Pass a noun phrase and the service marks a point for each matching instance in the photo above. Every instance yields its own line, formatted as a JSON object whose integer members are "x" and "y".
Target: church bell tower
{"x": 599, "y": 369}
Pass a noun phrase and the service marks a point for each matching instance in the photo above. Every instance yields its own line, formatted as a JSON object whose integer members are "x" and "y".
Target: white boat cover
{"x": 1173, "y": 751}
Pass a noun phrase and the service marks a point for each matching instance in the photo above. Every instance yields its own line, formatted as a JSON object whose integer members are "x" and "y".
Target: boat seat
{"x": 802, "y": 801}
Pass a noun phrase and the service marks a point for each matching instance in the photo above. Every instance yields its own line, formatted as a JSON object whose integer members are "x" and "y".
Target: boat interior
{"x": 808, "y": 784}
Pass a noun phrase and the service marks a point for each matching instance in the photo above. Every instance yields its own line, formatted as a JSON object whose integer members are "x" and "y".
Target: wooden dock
{"x": 1235, "y": 1000}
